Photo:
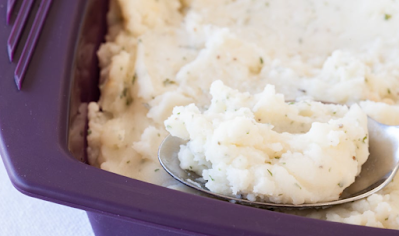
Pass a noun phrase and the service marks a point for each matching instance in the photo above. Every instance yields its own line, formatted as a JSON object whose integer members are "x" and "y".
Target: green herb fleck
{"x": 389, "y": 91}
{"x": 387, "y": 218}
{"x": 156, "y": 170}
{"x": 134, "y": 78}
{"x": 340, "y": 185}
{"x": 211, "y": 178}
{"x": 127, "y": 162}
{"x": 276, "y": 157}
{"x": 168, "y": 127}
{"x": 129, "y": 101}
{"x": 296, "y": 184}
{"x": 364, "y": 139}
{"x": 270, "y": 172}
{"x": 191, "y": 167}
{"x": 280, "y": 194}
{"x": 168, "y": 82}
{"x": 261, "y": 60}
{"x": 88, "y": 132}
{"x": 159, "y": 135}
{"x": 178, "y": 113}
{"x": 124, "y": 93}
{"x": 387, "y": 16}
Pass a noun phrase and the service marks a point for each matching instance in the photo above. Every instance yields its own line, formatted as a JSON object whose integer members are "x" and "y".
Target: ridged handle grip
{"x": 16, "y": 32}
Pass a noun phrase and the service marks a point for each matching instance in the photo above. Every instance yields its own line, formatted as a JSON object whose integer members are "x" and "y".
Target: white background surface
{"x": 21, "y": 215}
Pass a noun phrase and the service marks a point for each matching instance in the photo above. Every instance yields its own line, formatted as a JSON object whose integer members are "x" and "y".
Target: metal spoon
{"x": 379, "y": 169}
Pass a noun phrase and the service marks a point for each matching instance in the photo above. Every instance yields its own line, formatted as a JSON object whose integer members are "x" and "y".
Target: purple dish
{"x": 35, "y": 125}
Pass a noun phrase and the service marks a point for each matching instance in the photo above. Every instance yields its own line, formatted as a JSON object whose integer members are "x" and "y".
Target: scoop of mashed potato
{"x": 262, "y": 148}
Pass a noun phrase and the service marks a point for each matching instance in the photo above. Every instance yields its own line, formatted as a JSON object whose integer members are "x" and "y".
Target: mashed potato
{"x": 167, "y": 53}
{"x": 235, "y": 145}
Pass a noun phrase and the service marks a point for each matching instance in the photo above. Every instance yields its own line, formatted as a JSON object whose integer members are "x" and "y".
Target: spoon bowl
{"x": 377, "y": 172}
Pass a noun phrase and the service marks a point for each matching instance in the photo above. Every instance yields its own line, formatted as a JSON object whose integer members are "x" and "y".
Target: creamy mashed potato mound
{"x": 160, "y": 54}
{"x": 234, "y": 145}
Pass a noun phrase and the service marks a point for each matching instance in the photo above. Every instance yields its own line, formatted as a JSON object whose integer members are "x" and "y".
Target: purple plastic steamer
{"x": 34, "y": 125}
